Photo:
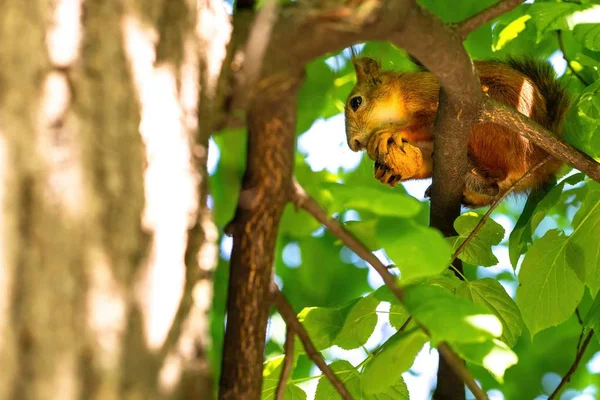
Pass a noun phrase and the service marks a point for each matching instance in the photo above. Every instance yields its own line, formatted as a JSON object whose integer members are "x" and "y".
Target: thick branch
{"x": 573, "y": 368}
{"x": 289, "y": 316}
{"x": 265, "y": 188}
{"x": 495, "y": 112}
{"x": 485, "y": 16}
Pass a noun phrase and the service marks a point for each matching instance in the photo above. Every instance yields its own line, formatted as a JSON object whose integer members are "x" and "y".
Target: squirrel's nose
{"x": 358, "y": 144}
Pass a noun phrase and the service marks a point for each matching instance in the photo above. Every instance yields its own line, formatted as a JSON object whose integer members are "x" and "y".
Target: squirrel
{"x": 389, "y": 111}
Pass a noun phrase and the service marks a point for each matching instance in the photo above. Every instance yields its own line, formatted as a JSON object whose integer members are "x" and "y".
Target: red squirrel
{"x": 390, "y": 114}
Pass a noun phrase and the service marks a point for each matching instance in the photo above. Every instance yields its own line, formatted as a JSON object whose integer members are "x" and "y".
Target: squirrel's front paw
{"x": 383, "y": 139}
{"x": 395, "y": 160}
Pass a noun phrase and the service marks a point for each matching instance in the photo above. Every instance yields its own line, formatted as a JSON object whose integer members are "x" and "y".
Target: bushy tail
{"x": 543, "y": 76}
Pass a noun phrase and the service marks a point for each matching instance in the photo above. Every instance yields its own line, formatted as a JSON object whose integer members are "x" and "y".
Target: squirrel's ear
{"x": 365, "y": 68}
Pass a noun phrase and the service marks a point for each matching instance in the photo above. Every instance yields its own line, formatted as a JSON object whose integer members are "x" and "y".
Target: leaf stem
{"x": 458, "y": 271}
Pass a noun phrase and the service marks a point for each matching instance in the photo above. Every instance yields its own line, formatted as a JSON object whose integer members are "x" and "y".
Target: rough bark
{"x": 80, "y": 200}
{"x": 265, "y": 190}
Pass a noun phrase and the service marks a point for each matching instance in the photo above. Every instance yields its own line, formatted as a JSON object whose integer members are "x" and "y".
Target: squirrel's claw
{"x": 385, "y": 175}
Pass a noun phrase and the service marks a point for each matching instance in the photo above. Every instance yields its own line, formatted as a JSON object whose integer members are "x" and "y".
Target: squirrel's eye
{"x": 355, "y": 102}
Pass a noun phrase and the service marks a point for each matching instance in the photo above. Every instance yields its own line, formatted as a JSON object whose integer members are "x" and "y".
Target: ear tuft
{"x": 365, "y": 68}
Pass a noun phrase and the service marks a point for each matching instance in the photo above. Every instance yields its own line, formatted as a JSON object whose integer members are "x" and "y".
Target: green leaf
{"x": 450, "y": 318}
{"x": 347, "y": 374}
{"x": 395, "y": 357}
{"x": 551, "y": 16}
{"x": 417, "y": 250}
{"x": 549, "y": 289}
{"x": 537, "y": 207}
{"x": 397, "y": 391}
{"x": 493, "y": 355}
{"x": 359, "y": 324}
{"x": 510, "y": 32}
{"x": 348, "y": 326}
{"x": 324, "y": 324}
{"x": 353, "y": 382}
{"x": 586, "y": 236}
{"x": 582, "y": 123}
{"x": 489, "y": 293}
{"x": 271, "y": 373}
{"x": 365, "y": 231}
{"x": 398, "y": 315}
{"x": 589, "y": 35}
{"x": 381, "y": 202}
{"x": 479, "y": 250}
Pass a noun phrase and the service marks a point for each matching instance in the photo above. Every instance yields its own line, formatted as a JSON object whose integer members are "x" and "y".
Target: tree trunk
{"x": 101, "y": 167}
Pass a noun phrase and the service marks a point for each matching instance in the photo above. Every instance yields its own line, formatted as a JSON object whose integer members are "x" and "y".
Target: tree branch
{"x": 495, "y": 204}
{"x": 288, "y": 363}
{"x": 485, "y": 16}
{"x": 264, "y": 193}
{"x": 497, "y": 113}
{"x": 302, "y": 200}
{"x": 289, "y": 316}
{"x": 571, "y": 370}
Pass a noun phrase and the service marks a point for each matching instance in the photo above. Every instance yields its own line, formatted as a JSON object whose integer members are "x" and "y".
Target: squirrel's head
{"x": 373, "y": 101}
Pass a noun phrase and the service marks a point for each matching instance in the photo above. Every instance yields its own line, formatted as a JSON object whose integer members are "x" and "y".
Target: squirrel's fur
{"x": 400, "y": 107}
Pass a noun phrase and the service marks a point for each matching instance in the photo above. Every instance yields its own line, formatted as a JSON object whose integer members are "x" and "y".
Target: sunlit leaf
{"x": 450, "y": 318}
{"x": 510, "y": 32}
{"x": 489, "y": 293}
{"x": 324, "y": 324}
{"x": 396, "y": 356}
{"x": 271, "y": 373}
{"x": 479, "y": 250}
{"x": 381, "y": 202}
{"x": 365, "y": 231}
{"x": 359, "y": 324}
{"x": 417, "y": 250}
{"x": 345, "y": 373}
{"x": 493, "y": 355}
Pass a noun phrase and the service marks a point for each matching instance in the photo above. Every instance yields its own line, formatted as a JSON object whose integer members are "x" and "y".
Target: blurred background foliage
{"x": 315, "y": 270}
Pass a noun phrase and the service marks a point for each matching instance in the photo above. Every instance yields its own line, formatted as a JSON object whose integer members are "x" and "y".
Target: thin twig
{"x": 571, "y": 370}
{"x": 582, "y": 328}
{"x": 495, "y": 204}
{"x": 302, "y": 200}
{"x": 561, "y": 45}
{"x": 578, "y": 314}
{"x": 485, "y": 16}
{"x": 405, "y": 324}
{"x": 288, "y": 363}
{"x": 294, "y": 325}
